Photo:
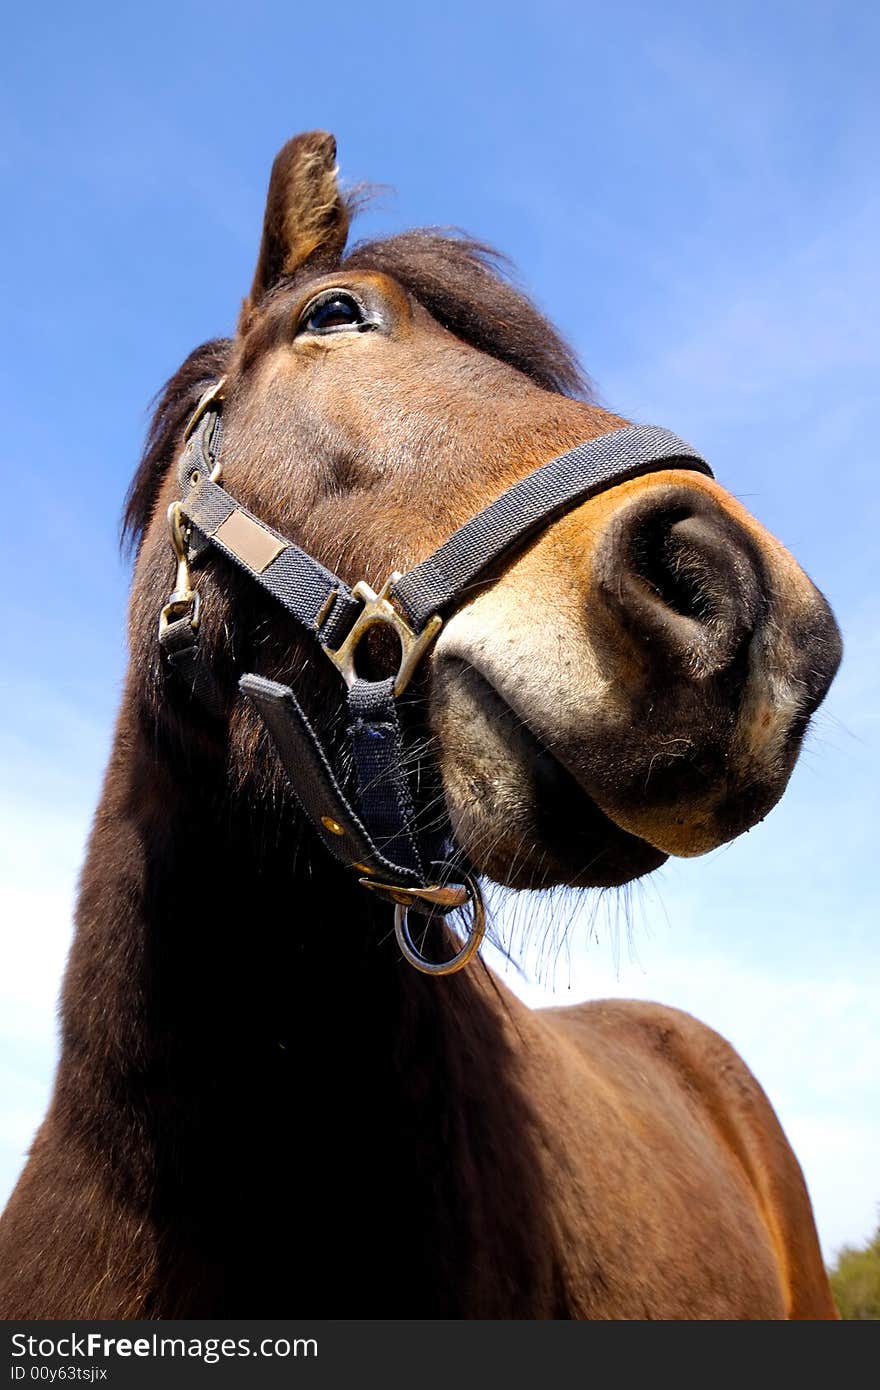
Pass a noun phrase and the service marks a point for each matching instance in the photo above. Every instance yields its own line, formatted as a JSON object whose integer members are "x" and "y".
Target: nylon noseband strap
{"x": 376, "y": 831}
{"x": 539, "y": 498}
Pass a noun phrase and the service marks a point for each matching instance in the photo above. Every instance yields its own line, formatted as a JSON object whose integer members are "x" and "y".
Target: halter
{"x": 374, "y": 833}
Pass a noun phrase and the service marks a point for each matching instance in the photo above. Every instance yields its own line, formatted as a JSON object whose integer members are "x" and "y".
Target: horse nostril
{"x": 673, "y": 571}
{"x": 682, "y": 578}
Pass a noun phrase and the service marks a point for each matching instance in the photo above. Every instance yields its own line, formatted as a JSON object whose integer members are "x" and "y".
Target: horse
{"x": 260, "y": 1108}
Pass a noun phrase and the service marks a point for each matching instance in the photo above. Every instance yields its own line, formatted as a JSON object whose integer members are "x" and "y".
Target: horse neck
{"x": 239, "y": 1030}
{"x": 208, "y": 927}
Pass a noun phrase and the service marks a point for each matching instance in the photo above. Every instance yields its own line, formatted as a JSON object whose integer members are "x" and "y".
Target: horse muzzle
{"x": 656, "y": 651}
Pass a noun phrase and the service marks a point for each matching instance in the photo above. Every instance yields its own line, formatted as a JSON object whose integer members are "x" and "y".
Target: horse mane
{"x": 172, "y": 408}
{"x": 463, "y": 283}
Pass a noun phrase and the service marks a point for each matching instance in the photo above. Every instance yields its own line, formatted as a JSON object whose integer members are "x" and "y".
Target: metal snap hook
{"x": 183, "y": 602}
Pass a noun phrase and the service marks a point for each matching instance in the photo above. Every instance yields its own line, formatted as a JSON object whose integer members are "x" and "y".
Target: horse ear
{"x": 306, "y": 221}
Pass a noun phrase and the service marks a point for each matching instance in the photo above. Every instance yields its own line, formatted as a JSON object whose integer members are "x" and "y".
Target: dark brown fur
{"x": 457, "y": 281}
{"x": 259, "y": 1109}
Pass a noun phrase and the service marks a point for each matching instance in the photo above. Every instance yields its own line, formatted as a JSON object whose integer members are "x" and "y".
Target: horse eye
{"x": 337, "y": 311}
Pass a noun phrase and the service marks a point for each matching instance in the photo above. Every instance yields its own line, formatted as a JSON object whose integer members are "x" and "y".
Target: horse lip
{"x": 540, "y": 741}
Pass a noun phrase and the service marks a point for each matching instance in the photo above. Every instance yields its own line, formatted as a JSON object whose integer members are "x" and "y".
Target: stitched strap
{"x": 180, "y": 643}
{"x": 389, "y": 848}
{"x": 383, "y": 790}
{"x": 532, "y": 503}
{"x": 314, "y": 782}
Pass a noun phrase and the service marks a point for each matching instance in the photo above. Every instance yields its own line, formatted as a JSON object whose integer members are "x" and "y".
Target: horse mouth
{"x": 517, "y": 811}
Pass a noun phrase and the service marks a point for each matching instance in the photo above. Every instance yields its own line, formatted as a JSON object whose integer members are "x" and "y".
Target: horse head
{"x": 634, "y": 681}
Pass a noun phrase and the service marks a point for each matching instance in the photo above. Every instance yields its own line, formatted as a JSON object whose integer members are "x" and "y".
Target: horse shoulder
{"x": 632, "y": 1043}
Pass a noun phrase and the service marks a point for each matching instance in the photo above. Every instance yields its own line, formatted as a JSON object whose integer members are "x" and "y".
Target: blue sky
{"x": 690, "y": 193}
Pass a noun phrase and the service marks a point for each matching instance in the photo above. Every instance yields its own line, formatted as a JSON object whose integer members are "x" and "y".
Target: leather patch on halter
{"x": 248, "y": 541}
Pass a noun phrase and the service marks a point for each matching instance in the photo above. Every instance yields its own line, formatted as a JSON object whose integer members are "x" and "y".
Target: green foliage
{"x": 855, "y": 1279}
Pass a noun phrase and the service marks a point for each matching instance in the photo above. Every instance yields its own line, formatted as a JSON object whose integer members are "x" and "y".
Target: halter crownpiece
{"x": 374, "y": 832}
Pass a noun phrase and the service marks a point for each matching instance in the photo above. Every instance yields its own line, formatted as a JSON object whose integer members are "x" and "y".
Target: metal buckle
{"x": 183, "y": 601}
{"x": 404, "y": 896}
{"x": 379, "y": 611}
{"x": 213, "y": 393}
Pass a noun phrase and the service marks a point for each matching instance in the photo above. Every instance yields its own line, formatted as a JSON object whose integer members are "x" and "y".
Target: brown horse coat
{"x": 259, "y": 1109}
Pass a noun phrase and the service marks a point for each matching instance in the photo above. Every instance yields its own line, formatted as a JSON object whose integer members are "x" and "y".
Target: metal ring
{"x": 468, "y": 950}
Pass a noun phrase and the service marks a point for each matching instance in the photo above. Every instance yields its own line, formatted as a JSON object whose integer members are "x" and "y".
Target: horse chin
{"x": 516, "y": 811}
